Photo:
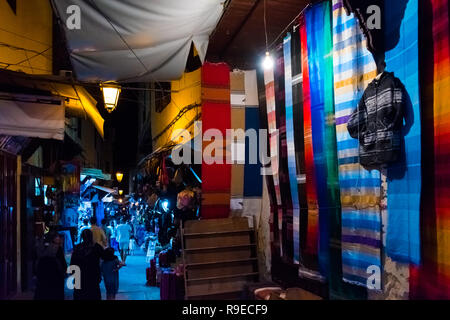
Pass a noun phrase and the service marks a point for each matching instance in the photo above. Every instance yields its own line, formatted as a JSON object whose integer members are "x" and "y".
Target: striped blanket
{"x": 237, "y": 86}
{"x": 253, "y": 179}
{"x": 312, "y": 240}
{"x": 404, "y": 176}
{"x": 354, "y": 68}
{"x": 319, "y": 42}
{"x": 292, "y": 165}
{"x": 432, "y": 279}
{"x": 276, "y": 207}
{"x": 216, "y": 114}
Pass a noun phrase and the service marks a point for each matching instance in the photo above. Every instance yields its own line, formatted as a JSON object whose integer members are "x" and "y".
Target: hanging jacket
{"x": 378, "y": 120}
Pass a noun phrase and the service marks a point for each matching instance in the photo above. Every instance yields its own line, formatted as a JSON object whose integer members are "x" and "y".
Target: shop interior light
{"x": 111, "y": 93}
{"x": 267, "y": 62}
{"x": 119, "y": 176}
{"x": 165, "y": 205}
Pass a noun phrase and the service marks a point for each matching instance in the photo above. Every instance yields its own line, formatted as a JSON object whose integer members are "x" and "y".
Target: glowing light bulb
{"x": 268, "y": 61}
{"x": 165, "y": 205}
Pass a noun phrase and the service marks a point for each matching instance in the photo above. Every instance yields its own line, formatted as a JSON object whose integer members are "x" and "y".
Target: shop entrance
{"x": 8, "y": 225}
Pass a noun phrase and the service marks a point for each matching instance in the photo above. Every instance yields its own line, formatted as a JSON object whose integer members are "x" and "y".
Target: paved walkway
{"x": 132, "y": 280}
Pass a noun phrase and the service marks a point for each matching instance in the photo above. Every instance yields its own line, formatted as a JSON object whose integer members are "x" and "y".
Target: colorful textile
{"x": 354, "y": 68}
{"x": 312, "y": 239}
{"x": 276, "y": 207}
{"x": 320, "y": 63}
{"x": 292, "y": 166}
{"x": 216, "y": 114}
{"x": 297, "y": 101}
{"x": 285, "y": 218}
{"x": 432, "y": 279}
{"x": 404, "y": 176}
{"x": 253, "y": 178}
{"x": 237, "y": 85}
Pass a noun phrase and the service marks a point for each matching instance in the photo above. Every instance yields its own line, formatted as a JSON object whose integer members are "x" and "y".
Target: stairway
{"x": 220, "y": 257}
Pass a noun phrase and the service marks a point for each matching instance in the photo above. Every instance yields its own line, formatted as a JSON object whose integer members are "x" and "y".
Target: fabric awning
{"x": 14, "y": 144}
{"x": 106, "y": 189}
{"x": 32, "y": 116}
{"x": 95, "y": 173}
{"x": 75, "y": 98}
{"x": 158, "y": 32}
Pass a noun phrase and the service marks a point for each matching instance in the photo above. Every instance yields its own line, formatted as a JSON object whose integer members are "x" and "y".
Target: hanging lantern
{"x": 119, "y": 176}
{"x": 120, "y": 192}
{"x": 111, "y": 93}
{"x": 267, "y": 62}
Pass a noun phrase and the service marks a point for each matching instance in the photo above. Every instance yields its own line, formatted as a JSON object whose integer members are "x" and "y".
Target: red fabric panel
{"x": 431, "y": 280}
{"x": 311, "y": 195}
{"x": 216, "y": 114}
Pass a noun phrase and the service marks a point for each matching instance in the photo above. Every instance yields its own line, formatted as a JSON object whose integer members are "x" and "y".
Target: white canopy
{"x": 159, "y": 32}
{"x": 31, "y": 116}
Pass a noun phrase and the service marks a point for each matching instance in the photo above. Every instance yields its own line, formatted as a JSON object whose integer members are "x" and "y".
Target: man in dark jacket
{"x": 50, "y": 269}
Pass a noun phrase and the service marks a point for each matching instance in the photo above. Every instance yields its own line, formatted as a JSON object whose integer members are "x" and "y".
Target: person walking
{"x": 85, "y": 226}
{"x": 110, "y": 272}
{"x": 108, "y": 232}
{"x": 123, "y": 234}
{"x": 98, "y": 234}
{"x": 50, "y": 268}
{"x": 86, "y": 256}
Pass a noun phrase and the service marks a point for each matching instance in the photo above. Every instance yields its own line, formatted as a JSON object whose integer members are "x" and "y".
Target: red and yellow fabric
{"x": 237, "y": 86}
{"x": 432, "y": 279}
{"x": 216, "y": 114}
{"x": 311, "y": 194}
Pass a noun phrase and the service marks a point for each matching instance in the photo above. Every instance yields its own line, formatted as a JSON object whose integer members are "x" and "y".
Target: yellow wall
{"x": 31, "y": 29}
{"x": 185, "y": 91}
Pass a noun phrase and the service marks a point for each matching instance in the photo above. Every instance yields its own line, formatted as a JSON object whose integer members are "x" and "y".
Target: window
{"x": 37, "y": 187}
{"x": 162, "y": 96}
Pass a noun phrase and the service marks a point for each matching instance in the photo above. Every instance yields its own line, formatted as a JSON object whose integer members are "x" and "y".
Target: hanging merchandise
{"x": 178, "y": 177}
{"x": 276, "y": 206}
{"x": 320, "y": 60}
{"x": 237, "y": 86}
{"x": 405, "y": 176}
{"x": 308, "y": 267}
{"x": 354, "y": 68}
{"x": 286, "y": 217}
{"x": 312, "y": 240}
{"x": 292, "y": 166}
{"x": 431, "y": 280}
{"x": 216, "y": 114}
{"x": 378, "y": 120}
{"x": 163, "y": 174}
{"x": 253, "y": 178}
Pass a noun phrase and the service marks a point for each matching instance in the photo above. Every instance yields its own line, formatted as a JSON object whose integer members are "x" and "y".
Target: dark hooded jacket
{"x": 377, "y": 121}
